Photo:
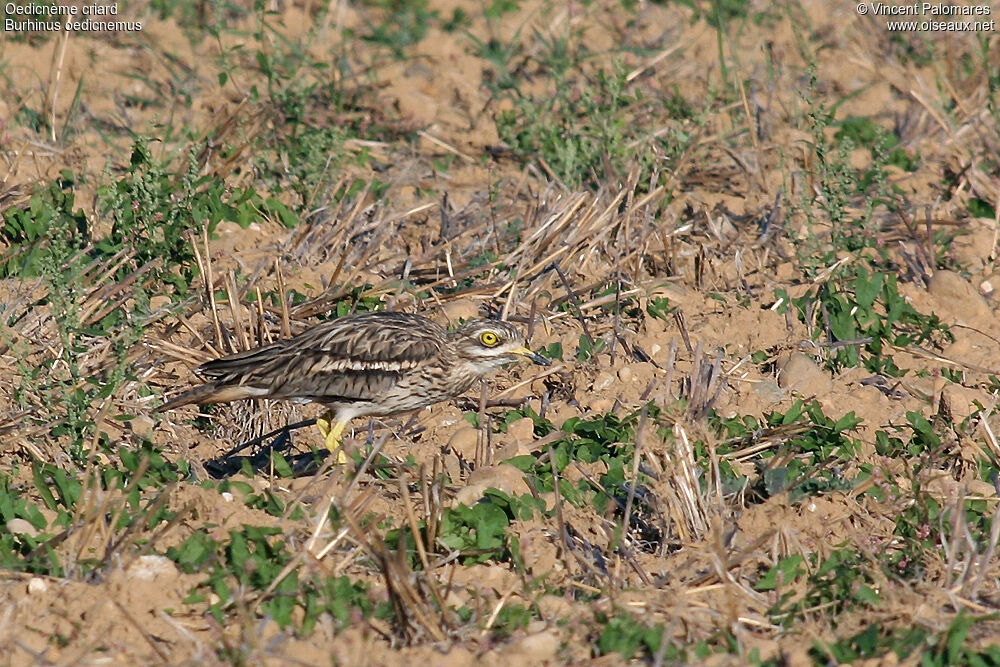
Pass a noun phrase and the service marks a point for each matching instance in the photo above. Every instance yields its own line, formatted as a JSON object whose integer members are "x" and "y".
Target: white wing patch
{"x": 337, "y": 365}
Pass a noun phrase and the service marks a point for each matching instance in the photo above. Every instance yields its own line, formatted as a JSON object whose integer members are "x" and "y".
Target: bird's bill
{"x": 528, "y": 354}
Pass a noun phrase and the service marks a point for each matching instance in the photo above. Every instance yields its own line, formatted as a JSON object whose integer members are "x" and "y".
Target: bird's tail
{"x": 212, "y": 393}
{"x": 202, "y": 394}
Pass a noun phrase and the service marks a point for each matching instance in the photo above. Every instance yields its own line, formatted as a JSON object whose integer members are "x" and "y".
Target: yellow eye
{"x": 488, "y": 338}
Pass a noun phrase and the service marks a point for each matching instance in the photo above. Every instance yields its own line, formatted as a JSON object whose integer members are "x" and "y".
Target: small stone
{"x": 535, "y": 627}
{"x": 956, "y": 298}
{"x": 151, "y": 566}
{"x": 159, "y": 301}
{"x": 769, "y": 390}
{"x": 142, "y": 425}
{"x": 460, "y": 310}
{"x": 103, "y": 608}
{"x": 20, "y": 526}
{"x": 601, "y": 405}
{"x": 977, "y": 487}
{"x": 800, "y": 373}
{"x": 507, "y": 448}
{"x": 503, "y": 477}
{"x": 603, "y": 380}
{"x": 464, "y": 441}
{"x": 37, "y": 586}
{"x": 522, "y": 430}
{"x": 534, "y": 649}
{"x": 555, "y": 607}
{"x": 655, "y": 346}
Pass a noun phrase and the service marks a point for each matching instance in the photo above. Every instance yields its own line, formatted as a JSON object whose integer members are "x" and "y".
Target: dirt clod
{"x": 800, "y": 373}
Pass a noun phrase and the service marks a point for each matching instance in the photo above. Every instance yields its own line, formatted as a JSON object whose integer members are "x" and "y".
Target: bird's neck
{"x": 465, "y": 372}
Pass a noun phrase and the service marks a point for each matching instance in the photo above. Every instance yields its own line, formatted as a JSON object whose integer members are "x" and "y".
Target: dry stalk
{"x": 413, "y": 612}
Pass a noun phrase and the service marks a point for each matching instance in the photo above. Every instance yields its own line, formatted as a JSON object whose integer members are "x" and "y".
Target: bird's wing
{"x": 350, "y": 358}
{"x": 334, "y": 387}
{"x": 376, "y": 338}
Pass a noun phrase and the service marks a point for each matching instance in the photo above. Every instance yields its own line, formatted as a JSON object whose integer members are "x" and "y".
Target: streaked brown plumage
{"x": 368, "y": 364}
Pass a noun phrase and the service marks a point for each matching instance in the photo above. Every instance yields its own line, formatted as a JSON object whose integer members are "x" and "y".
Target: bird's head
{"x": 489, "y": 344}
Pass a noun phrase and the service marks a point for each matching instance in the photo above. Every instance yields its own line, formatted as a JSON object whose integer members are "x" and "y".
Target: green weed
{"x": 870, "y": 310}
{"x": 660, "y": 308}
{"x": 841, "y": 582}
{"x": 160, "y": 213}
{"x": 48, "y": 220}
{"x": 141, "y": 476}
{"x": 627, "y": 636}
{"x": 250, "y": 561}
{"x": 720, "y": 12}
{"x": 552, "y": 351}
{"x": 925, "y": 648}
{"x": 58, "y": 386}
{"x": 21, "y": 552}
{"x": 846, "y": 198}
{"x": 810, "y": 444}
{"x": 478, "y": 532}
{"x": 866, "y": 133}
{"x": 589, "y": 130}
{"x": 587, "y": 349}
{"x": 316, "y": 106}
{"x": 512, "y": 617}
{"x": 404, "y": 23}
{"x": 872, "y": 642}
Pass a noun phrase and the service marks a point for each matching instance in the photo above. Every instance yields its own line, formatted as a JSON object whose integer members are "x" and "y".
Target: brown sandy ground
{"x": 758, "y": 240}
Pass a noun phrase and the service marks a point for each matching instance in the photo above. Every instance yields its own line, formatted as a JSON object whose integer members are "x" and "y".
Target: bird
{"x": 367, "y": 364}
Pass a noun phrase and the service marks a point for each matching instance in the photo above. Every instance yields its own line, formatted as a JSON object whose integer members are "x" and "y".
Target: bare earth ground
{"x": 756, "y": 444}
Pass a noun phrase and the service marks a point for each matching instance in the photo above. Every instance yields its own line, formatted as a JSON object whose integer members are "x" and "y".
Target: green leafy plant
{"x": 869, "y": 309}
{"x": 587, "y": 348}
{"x": 809, "y": 443}
{"x": 874, "y": 641}
{"x": 625, "y": 635}
{"x": 660, "y": 307}
{"x": 586, "y": 132}
{"x": 478, "y": 532}
{"x": 869, "y": 134}
{"x": 251, "y": 561}
{"x": 140, "y": 478}
{"x": 48, "y": 224}
{"x": 404, "y": 23}
{"x": 842, "y": 581}
{"x": 840, "y": 210}
{"x": 877, "y": 641}
{"x": 160, "y": 214}
{"x": 58, "y": 384}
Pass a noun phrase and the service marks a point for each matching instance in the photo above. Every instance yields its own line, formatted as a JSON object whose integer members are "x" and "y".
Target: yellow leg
{"x": 331, "y": 429}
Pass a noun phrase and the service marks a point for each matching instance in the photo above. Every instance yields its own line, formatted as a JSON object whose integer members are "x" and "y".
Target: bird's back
{"x": 352, "y": 357}
{"x": 352, "y": 360}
